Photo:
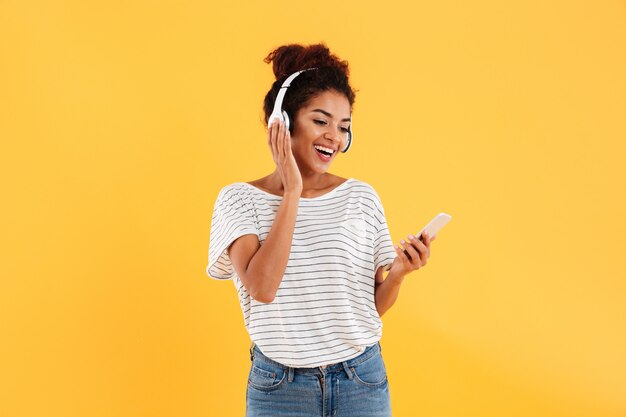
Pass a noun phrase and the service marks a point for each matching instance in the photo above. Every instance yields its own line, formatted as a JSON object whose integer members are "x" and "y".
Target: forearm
{"x": 267, "y": 267}
{"x": 386, "y": 293}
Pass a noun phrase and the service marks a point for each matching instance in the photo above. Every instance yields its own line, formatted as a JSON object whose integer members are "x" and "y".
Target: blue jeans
{"x": 355, "y": 388}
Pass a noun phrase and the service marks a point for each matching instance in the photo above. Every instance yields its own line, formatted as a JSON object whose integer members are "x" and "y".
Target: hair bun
{"x": 288, "y": 59}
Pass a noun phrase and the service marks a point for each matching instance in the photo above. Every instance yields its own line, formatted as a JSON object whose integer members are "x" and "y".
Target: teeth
{"x": 325, "y": 149}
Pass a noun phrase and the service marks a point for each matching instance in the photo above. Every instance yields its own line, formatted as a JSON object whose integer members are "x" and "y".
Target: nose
{"x": 332, "y": 132}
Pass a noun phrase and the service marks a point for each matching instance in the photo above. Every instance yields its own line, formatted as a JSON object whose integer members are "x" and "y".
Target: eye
{"x": 345, "y": 129}
{"x": 320, "y": 122}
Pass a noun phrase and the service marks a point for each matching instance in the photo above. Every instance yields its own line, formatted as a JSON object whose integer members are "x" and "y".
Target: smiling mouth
{"x": 323, "y": 155}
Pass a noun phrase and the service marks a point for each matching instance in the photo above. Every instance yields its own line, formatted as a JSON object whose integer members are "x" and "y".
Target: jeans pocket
{"x": 265, "y": 377}
{"x": 371, "y": 373}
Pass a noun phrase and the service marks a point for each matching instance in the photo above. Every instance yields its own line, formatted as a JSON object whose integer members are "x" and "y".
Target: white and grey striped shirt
{"x": 324, "y": 310}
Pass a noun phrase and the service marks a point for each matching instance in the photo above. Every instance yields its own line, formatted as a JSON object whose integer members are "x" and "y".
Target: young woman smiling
{"x": 306, "y": 250}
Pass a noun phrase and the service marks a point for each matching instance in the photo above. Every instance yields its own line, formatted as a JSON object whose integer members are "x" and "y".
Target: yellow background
{"x": 120, "y": 121}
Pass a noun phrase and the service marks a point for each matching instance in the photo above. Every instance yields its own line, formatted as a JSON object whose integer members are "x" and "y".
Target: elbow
{"x": 261, "y": 287}
{"x": 264, "y": 297}
{"x": 263, "y": 293}
{"x": 264, "y": 288}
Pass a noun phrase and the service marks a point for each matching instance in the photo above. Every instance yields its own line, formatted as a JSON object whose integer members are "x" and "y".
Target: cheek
{"x": 344, "y": 141}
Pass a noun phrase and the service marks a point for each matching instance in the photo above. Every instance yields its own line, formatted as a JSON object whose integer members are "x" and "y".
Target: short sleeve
{"x": 384, "y": 253}
{"x": 232, "y": 218}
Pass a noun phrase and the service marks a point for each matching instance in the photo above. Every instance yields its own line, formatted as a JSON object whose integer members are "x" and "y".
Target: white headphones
{"x": 280, "y": 114}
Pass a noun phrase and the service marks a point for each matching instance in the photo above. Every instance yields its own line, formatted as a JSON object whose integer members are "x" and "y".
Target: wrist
{"x": 292, "y": 194}
{"x": 395, "y": 278}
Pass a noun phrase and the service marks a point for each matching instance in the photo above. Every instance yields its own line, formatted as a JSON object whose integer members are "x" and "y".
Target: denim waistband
{"x": 255, "y": 353}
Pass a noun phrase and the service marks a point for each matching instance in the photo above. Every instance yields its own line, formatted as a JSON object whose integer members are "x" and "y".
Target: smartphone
{"x": 433, "y": 227}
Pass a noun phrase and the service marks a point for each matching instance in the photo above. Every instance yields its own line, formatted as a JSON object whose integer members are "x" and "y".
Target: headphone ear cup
{"x": 286, "y": 119}
{"x": 349, "y": 142}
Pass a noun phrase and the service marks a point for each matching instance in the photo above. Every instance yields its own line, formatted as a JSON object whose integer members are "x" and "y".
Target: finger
{"x": 401, "y": 254}
{"x": 424, "y": 250}
{"x": 279, "y": 150}
{"x": 287, "y": 142}
{"x": 279, "y": 141}
{"x": 283, "y": 154}
{"x": 406, "y": 253}
{"x": 273, "y": 135}
{"x": 430, "y": 240}
{"x": 415, "y": 256}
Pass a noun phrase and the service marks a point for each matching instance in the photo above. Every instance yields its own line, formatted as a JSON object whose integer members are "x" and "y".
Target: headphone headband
{"x": 278, "y": 104}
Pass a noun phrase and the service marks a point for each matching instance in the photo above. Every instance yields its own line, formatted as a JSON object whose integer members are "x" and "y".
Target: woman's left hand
{"x": 418, "y": 251}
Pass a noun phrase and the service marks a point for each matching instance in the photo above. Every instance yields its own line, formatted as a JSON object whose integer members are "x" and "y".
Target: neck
{"x": 310, "y": 182}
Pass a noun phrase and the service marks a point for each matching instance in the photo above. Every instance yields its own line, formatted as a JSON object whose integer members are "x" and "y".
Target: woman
{"x": 307, "y": 250}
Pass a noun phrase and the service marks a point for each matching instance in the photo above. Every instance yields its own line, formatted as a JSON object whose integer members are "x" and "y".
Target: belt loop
{"x": 348, "y": 371}
{"x": 290, "y": 374}
{"x": 252, "y": 351}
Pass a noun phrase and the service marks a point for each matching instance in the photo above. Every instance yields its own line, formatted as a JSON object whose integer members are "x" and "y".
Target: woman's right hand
{"x": 279, "y": 141}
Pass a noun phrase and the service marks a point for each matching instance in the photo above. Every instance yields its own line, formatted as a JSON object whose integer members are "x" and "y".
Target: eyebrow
{"x": 347, "y": 119}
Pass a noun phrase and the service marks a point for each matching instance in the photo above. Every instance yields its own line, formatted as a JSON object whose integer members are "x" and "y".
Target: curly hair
{"x": 331, "y": 74}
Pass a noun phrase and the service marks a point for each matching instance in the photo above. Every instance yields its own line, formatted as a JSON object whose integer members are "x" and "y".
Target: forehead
{"x": 331, "y": 101}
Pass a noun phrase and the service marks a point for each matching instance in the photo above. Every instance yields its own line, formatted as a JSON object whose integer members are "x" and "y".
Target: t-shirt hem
{"x": 328, "y": 363}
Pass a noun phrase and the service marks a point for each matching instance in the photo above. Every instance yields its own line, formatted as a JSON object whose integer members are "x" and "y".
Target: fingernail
{"x": 402, "y": 241}
{"x": 411, "y": 237}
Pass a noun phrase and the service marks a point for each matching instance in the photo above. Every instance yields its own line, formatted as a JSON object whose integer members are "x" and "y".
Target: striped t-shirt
{"x": 324, "y": 310}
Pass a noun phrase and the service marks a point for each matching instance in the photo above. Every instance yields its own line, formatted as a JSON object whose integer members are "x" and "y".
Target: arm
{"x": 261, "y": 268}
{"x": 386, "y": 291}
